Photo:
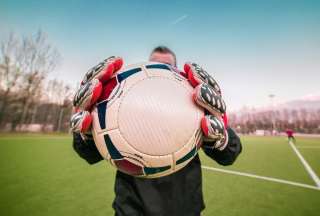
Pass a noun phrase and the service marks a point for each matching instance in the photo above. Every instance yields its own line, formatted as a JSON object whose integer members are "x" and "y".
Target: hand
{"x": 95, "y": 83}
{"x": 207, "y": 94}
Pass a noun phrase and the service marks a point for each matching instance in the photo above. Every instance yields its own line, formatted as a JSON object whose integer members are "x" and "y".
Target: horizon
{"x": 252, "y": 48}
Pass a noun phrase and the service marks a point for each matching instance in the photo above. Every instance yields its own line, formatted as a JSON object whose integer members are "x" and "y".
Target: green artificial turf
{"x": 42, "y": 175}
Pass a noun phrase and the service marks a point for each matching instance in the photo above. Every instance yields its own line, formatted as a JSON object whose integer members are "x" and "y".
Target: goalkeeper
{"x": 179, "y": 193}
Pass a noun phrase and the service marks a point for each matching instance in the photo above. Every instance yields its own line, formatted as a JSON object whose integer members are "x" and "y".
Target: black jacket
{"x": 177, "y": 194}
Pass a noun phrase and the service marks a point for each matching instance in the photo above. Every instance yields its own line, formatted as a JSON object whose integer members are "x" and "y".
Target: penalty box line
{"x": 307, "y": 167}
{"x": 262, "y": 177}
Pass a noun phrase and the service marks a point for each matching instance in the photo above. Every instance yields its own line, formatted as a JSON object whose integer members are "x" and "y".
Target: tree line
{"x": 27, "y": 96}
{"x": 299, "y": 120}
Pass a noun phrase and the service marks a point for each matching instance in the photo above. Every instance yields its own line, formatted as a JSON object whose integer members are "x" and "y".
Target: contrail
{"x": 179, "y": 19}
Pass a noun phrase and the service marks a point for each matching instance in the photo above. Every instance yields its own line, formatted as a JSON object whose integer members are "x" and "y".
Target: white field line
{"x": 310, "y": 147}
{"x": 262, "y": 178}
{"x": 308, "y": 168}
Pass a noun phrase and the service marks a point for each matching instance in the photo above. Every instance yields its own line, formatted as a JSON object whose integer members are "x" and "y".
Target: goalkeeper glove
{"x": 207, "y": 94}
{"x": 96, "y": 86}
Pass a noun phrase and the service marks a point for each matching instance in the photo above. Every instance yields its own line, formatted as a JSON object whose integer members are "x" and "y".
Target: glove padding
{"x": 81, "y": 121}
{"x": 207, "y": 94}
{"x": 87, "y": 94}
{"x": 214, "y": 130}
{"x": 90, "y": 92}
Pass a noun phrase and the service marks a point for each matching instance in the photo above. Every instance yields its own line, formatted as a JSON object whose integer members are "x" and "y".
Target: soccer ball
{"x": 150, "y": 126}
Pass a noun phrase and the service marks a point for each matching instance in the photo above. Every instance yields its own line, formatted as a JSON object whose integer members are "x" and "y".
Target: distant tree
{"x": 39, "y": 59}
{"x": 25, "y": 63}
{"x": 10, "y": 73}
{"x": 61, "y": 94}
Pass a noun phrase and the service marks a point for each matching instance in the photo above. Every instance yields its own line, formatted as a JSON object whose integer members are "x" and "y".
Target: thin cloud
{"x": 179, "y": 19}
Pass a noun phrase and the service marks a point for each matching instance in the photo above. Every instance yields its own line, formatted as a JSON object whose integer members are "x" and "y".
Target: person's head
{"x": 164, "y": 55}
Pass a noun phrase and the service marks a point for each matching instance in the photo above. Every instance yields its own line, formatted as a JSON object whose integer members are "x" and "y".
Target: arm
{"x": 228, "y": 155}
{"x": 220, "y": 141}
{"x": 86, "y": 149}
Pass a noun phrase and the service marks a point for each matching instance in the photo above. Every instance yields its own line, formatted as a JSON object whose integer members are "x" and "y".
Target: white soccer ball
{"x": 150, "y": 126}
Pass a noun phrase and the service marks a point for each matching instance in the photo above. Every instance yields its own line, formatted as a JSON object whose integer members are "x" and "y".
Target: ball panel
{"x": 112, "y": 115}
{"x": 156, "y": 171}
{"x": 101, "y": 112}
{"x": 188, "y": 156}
{"x": 185, "y": 154}
{"x": 153, "y": 102}
{"x": 112, "y": 149}
{"x": 127, "y": 73}
{"x": 157, "y": 161}
{"x": 100, "y": 144}
{"x": 105, "y": 116}
{"x": 107, "y": 111}
{"x": 128, "y": 167}
{"x": 156, "y": 69}
{"x": 129, "y": 77}
{"x": 135, "y": 156}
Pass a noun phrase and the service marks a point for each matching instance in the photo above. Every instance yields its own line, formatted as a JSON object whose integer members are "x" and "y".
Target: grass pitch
{"x": 42, "y": 175}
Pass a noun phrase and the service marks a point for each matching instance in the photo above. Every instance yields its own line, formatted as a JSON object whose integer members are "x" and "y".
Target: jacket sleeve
{"x": 229, "y": 154}
{"x": 87, "y": 150}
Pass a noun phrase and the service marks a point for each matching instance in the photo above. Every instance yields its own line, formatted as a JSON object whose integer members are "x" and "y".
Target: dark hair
{"x": 164, "y": 50}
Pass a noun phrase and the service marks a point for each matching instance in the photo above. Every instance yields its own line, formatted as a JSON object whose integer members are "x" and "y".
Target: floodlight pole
{"x": 272, "y": 96}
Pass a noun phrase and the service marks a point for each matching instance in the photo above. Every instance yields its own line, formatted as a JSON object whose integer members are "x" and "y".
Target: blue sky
{"x": 253, "y": 48}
